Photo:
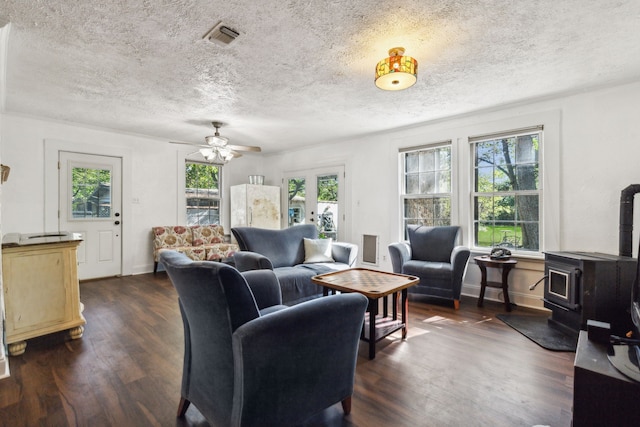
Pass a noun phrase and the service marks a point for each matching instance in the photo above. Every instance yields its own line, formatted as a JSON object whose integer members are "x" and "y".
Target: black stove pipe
{"x": 626, "y": 219}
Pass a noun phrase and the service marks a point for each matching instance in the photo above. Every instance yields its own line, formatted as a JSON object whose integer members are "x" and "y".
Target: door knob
{"x": 117, "y": 223}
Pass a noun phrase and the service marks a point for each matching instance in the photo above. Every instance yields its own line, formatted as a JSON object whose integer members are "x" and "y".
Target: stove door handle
{"x": 532, "y": 287}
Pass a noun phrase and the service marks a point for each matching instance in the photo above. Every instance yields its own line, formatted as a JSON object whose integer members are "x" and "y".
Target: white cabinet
{"x": 255, "y": 206}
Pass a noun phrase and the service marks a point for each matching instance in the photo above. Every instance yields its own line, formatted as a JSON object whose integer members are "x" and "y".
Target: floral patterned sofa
{"x": 198, "y": 242}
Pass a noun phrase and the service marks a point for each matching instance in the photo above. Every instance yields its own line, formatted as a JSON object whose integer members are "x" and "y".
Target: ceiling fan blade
{"x": 244, "y": 148}
{"x": 185, "y": 143}
{"x": 192, "y": 145}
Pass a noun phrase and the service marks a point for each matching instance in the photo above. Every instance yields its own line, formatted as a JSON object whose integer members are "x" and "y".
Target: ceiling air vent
{"x": 221, "y": 34}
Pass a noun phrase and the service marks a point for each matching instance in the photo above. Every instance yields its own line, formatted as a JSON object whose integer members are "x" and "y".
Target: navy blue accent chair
{"x": 433, "y": 255}
{"x": 251, "y": 361}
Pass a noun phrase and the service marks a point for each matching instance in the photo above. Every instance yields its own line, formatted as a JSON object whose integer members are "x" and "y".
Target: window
{"x": 91, "y": 193}
{"x": 507, "y": 194}
{"x": 426, "y": 189}
{"x": 202, "y": 193}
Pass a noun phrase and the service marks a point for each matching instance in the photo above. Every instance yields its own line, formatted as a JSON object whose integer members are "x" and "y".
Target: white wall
{"x": 151, "y": 182}
{"x": 591, "y": 151}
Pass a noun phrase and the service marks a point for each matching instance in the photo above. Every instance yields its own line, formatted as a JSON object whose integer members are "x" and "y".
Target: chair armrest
{"x": 310, "y": 349}
{"x": 245, "y": 261}
{"x": 399, "y": 253}
{"x": 346, "y": 253}
{"x": 459, "y": 259}
{"x": 265, "y": 287}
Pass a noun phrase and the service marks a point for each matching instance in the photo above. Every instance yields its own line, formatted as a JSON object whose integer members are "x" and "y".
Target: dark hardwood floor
{"x": 456, "y": 368}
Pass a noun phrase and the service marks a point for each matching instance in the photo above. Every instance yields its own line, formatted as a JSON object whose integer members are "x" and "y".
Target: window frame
{"x": 219, "y": 197}
{"x": 402, "y": 154}
{"x": 539, "y": 192}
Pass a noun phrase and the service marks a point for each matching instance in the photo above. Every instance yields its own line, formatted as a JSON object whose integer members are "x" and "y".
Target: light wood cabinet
{"x": 41, "y": 289}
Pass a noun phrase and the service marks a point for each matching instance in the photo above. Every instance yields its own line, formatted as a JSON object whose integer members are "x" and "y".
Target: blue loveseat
{"x": 283, "y": 251}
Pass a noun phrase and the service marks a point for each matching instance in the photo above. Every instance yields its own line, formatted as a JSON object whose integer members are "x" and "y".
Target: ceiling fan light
{"x": 397, "y": 71}
{"x": 217, "y": 155}
{"x": 216, "y": 140}
{"x": 207, "y": 153}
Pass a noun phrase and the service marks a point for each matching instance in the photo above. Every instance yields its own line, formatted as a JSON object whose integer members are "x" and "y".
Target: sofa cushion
{"x": 295, "y": 282}
{"x": 432, "y": 243}
{"x": 196, "y": 253}
{"x": 220, "y": 251}
{"x": 171, "y": 237}
{"x": 207, "y": 234}
{"x": 283, "y": 247}
{"x": 317, "y": 250}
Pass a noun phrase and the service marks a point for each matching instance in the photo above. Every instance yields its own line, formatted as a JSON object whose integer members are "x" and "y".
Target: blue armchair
{"x": 251, "y": 361}
{"x": 432, "y": 254}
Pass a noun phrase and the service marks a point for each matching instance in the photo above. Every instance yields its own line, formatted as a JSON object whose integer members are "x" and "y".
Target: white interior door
{"x": 316, "y": 196}
{"x": 90, "y": 202}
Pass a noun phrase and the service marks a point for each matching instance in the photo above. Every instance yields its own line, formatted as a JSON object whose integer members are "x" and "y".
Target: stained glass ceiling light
{"x": 396, "y": 72}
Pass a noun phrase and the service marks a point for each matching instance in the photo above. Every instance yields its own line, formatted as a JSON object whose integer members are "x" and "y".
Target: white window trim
{"x": 181, "y": 206}
{"x": 473, "y": 140}
{"x": 402, "y": 184}
{"x": 220, "y": 186}
{"x": 550, "y": 235}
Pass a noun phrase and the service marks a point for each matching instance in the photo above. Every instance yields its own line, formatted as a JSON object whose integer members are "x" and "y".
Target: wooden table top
{"x": 370, "y": 283}
{"x": 486, "y": 260}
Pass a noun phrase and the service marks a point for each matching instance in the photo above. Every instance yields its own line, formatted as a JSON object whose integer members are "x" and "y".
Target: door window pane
{"x": 297, "y": 195}
{"x": 90, "y": 193}
{"x": 328, "y": 206}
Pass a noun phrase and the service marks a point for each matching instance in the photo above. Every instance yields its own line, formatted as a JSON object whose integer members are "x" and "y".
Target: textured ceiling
{"x": 301, "y": 72}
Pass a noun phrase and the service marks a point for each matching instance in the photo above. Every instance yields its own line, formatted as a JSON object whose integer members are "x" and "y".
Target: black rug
{"x": 540, "y": 331}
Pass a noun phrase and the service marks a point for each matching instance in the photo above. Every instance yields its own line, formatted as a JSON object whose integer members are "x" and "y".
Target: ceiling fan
{"x": 217, "y": 149}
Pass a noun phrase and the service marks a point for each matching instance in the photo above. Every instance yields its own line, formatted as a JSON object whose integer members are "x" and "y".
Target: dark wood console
{"x": 602, "y": 396}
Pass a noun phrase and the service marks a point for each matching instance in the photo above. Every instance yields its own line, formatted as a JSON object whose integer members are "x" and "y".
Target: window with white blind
{"x": 507, "y": 191}
{"x": 426, "y": 185}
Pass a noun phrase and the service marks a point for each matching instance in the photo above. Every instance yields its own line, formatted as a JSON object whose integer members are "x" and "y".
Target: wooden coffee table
{"x": 374, "y": 285}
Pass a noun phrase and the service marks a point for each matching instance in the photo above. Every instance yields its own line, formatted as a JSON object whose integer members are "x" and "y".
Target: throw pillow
{"x": 317, "y": 250}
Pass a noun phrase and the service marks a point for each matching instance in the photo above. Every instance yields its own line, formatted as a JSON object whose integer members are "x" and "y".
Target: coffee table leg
{"x": 373, "y": 311}
{"x": 405, "y": 312}
{"x": 395, "y": 306}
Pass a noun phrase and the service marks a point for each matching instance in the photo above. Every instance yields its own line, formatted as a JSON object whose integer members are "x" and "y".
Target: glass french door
{"x": 316, "y": 197}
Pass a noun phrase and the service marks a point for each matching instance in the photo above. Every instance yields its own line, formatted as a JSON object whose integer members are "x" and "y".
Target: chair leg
{"x": 456, "y": 304}
{"x": 183, "y": 406}
{"x": 346, "y": 405}
{"x": 155, "y": 267}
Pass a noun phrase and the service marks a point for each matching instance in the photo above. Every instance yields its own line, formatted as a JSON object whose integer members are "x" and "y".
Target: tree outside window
{"x": 91, "y": 193}
{"x": 506, "y": 199}
{"x": 202, "y": 193}
{"x": 426, "y": 195}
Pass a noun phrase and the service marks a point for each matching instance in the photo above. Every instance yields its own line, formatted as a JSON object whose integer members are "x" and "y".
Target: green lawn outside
{"x": 493, "y": 235}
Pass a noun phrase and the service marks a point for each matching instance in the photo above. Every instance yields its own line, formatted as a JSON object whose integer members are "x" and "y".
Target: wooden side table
{"x": 506, "y": 265}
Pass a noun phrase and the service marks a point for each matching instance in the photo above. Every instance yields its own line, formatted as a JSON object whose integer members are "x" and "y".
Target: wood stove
{"x": 581, "y": 286}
